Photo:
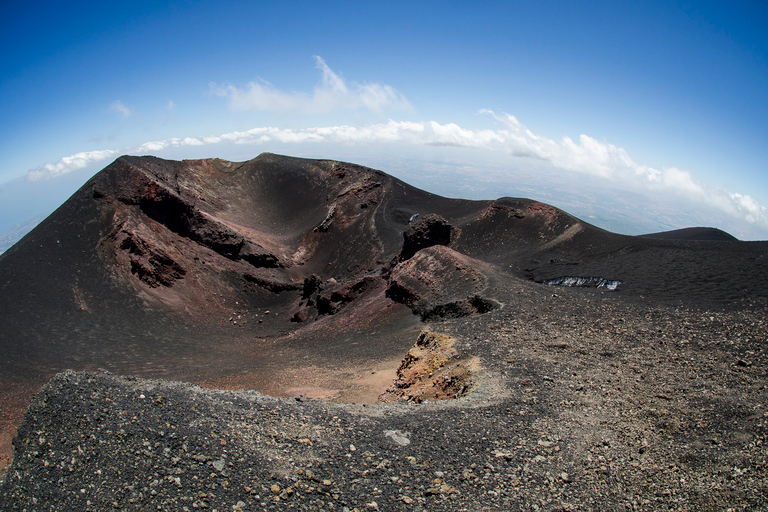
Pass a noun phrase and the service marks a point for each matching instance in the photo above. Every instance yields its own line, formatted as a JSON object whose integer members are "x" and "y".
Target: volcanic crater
{"x": 318, "y": 279}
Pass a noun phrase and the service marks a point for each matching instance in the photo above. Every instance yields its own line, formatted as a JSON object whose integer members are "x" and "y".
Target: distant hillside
{"x": 693, "y": 234}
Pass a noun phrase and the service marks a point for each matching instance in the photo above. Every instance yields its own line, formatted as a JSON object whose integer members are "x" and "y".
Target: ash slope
{"x": 302, "y": 277}
{"x": 151, "y": 242}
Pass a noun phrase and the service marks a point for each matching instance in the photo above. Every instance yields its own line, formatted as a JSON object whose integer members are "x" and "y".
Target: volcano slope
{"x": 452, "y": 377}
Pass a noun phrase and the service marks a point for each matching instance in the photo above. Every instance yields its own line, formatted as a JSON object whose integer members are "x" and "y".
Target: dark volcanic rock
{"x": 151, "y": 264}
{"x": 305, "y": 279}
{"x": 438, "y": 282}
{"x": 473, "y": 305}
{"x": 431, "y": 230}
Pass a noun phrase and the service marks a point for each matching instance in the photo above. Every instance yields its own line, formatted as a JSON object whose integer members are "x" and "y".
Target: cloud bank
{"x": 587, "y": 155}
{"x": 331, "y": 94}
{"x": 70, "y": 163}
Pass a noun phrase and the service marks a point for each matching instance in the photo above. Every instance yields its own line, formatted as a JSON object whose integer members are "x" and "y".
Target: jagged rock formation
{"x": 439, "y": 282}
{"x": 431, "y": 230}
{"x": 432, "y": 370}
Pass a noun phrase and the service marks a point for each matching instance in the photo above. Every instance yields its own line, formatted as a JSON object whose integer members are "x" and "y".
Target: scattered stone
{"x": 398, "y": 437}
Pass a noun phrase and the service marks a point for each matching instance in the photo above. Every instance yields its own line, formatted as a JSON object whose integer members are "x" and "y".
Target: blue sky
{"x": 636, "y": 116}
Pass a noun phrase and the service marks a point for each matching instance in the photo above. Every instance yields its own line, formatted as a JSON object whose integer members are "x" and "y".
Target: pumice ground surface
{"x": 314, "y": 335}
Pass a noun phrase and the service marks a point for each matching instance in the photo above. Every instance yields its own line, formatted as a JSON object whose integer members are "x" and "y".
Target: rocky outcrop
{"x": 186, "y": 220}
{"x": 151, "y": 264}
{"x": 431, "y": 230}
{"x": 319, "y": 299}
{"x": 474, "y": 305}
{"x": 431, "y": 370}
{"x": 438, "y": 282}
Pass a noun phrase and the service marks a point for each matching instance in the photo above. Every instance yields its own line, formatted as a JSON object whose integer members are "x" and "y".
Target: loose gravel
{"x": 583, "y": 403}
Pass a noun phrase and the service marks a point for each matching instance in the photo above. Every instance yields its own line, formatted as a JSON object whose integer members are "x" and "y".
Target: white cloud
{"x": 70, "y": 163}
{"x": 118, "y": 107}
{"x": 605, "y": 160}
{"x": 588, "y": 155}
{"x": 331, "y": 94}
